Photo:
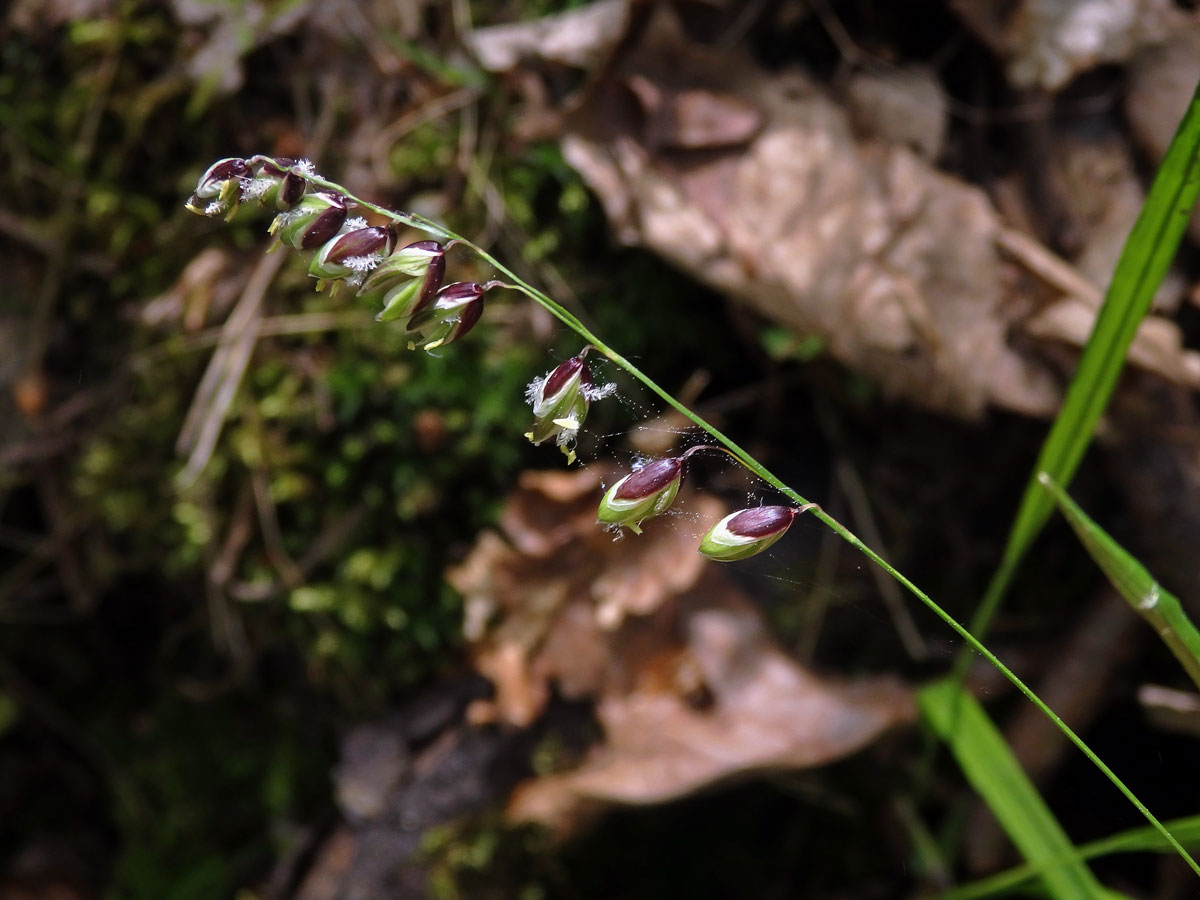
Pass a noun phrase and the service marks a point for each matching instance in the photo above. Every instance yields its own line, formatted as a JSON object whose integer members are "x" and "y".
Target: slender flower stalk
{"x": 301, "y": 236}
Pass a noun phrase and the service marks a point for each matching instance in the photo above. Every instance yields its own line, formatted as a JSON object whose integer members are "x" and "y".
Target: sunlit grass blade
{"x": 1149, "y": 599}
{"x": 1136, "y": 840}
{"x": 1144, "y": 261}
{"x": 993, "y": 771}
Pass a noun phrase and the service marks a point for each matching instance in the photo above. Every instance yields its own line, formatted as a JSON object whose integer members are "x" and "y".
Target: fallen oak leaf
{"x": 761, "y": 712}
{"x": 860, "y": 243}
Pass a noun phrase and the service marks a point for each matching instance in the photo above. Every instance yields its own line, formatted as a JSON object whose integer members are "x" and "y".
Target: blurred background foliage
{"x": 186, "y": 648}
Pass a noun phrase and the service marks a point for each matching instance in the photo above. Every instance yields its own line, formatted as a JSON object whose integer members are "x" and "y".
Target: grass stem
{"x": 753, "y": 465}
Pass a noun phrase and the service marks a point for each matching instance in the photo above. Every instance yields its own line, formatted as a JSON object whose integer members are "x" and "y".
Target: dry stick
{"x": 223, "y": 564}
{"x": 1060, "y": 274}
{"x": 60, "y": 260}
{"x": 204, "y": 420}
{"x": 60, "y": 514}
{"x": 20, "y": 576}
{"x": 976, "y": 114}
{"x": 43, "y": 241}
{"x": 514, "y": 236}
{"x": 385, "y": 140}
{"x": 1168, "y": 709}
{"x": 860, "y": 508}
{"x": 327, "y": 543}
{"x": 572, "y": 322}
{"x": 48, "y": 714}
{"x": 1048, "y": 266}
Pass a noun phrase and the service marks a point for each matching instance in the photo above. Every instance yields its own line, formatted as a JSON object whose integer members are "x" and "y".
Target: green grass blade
{"x": 993, "y": 771}
{"x": 1147, "y": 254}
{"x": 1149, "y": 599}
{"x": 1136, "y": 840}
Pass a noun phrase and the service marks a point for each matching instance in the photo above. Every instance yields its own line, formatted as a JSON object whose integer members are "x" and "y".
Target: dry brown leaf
{"x": 896, "y": 266}
{"x": 1157, "y": 347}
{"x": 228, "y": 32}
{"x": 865, "y": 245}
{"x": 232, "y": 31}
{"x": 689, "y": 687}
{"x": 692, "y": 118}
{"x": 1101, "y": 196}
{"x": 759, "y": 711}
{"x": 903, "y": 105}
{"x": 1047, "y": 42}
{"x": 30, "y": 15}
{"x": 208, "y": 286}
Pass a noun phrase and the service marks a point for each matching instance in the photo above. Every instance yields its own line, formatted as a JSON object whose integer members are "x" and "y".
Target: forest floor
{"x": 292, "y": 612}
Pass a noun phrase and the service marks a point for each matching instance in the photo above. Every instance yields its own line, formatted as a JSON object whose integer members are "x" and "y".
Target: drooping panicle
{"x": 453, "y": 312}
{"x": 219, "y": 189}
{"x": 747, "y": 532}
{"x": 311, "y": 222}
{"x": 642, "y": 494}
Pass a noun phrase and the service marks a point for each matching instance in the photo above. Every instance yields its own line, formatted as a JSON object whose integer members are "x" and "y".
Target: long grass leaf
{"x": 1135, "y": 840}
{"x": 1144, "y": 261}
{"x": 1149, "y": 599}
{"x": 993, "y": 771}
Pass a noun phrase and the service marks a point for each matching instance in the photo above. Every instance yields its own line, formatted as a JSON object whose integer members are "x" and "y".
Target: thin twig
{"x": 1051, "y": 268}
{"x": 204, "y": 420}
